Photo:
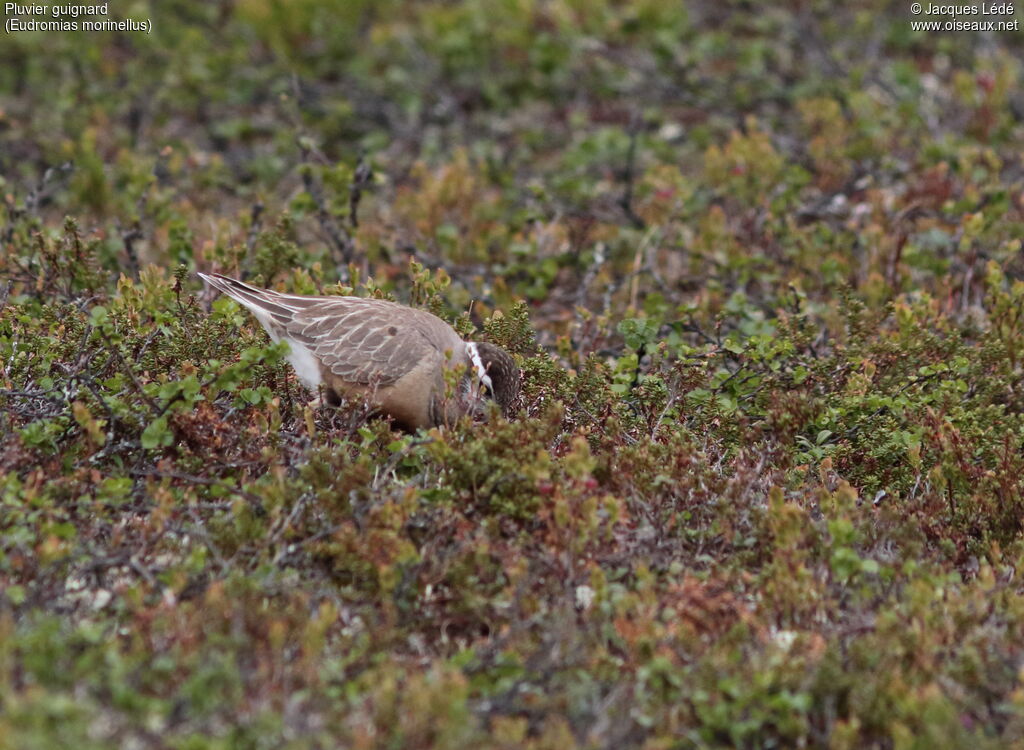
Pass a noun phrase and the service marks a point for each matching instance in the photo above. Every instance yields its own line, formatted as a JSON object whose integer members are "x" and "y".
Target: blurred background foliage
{"x": 761, "y": 264}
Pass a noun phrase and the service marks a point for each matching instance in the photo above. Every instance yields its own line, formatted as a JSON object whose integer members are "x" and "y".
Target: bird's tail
{"x": 259, "y": 301}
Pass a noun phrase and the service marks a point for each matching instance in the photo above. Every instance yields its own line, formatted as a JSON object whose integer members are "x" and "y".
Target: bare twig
{"x": 342, "y": 247}
{"x": 128, "y": 237}
{"x": 629, "y": 175}
{"x": 255, "y": 224}
{"x": 361, "y": 179}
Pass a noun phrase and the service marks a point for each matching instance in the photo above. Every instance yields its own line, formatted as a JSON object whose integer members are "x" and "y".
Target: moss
{"x": 764, "y": 484}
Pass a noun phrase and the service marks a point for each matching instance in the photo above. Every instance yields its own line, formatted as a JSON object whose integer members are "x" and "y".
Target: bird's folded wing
{"x": 371, "y": 342}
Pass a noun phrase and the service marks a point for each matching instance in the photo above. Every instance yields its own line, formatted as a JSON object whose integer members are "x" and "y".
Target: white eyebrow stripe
{"x": 478, "y": 363}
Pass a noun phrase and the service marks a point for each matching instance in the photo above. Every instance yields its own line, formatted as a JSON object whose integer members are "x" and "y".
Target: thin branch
{"x": 629, "y": 175}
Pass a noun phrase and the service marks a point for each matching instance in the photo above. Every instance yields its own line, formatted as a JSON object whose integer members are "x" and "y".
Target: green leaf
{"x": 98, "y": 315}
{"x": 157, "y": 434}
{"x": 16, "y": 594}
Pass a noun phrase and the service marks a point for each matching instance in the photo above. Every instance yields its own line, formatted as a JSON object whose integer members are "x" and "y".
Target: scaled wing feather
{"x": 368, "y": 343}
{"x": 365, "y": 341}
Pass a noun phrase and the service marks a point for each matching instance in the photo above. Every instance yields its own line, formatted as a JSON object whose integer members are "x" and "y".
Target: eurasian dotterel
{"x": 393, "y": 355}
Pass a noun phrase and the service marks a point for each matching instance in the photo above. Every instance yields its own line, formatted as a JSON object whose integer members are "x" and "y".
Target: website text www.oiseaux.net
{"x": 981, "y": 17}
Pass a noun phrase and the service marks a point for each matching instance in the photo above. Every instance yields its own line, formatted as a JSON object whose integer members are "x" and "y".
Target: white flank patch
{"x": 306, "y": 365}
{"x": 478, "y": 363}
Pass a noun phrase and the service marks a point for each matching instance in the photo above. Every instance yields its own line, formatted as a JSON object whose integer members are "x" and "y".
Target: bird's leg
{"x": 323, "y": 398}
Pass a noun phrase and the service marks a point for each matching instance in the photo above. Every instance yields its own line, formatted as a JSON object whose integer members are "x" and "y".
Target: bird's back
{"x": 356, "y": 346}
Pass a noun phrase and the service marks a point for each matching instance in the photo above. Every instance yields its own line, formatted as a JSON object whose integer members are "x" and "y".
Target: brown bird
{"x": 393, "y": 355}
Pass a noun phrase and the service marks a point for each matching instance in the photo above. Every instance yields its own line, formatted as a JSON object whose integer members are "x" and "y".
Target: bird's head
{"x": 500, "y": 378}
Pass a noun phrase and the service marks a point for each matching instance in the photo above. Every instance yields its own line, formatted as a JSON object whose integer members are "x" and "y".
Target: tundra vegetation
{"x": 761, "y": 266}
